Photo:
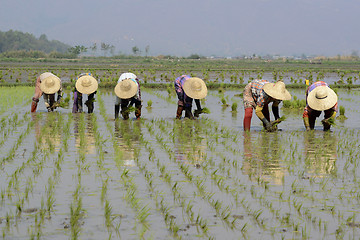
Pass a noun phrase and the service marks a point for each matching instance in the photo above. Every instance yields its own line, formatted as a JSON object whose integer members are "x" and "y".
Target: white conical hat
{"x": 322, "y": 98}
{"x": 86, "y": 84}
{"x": 49, "y": 83}
{"x": 127, "y": 76}
{"x": 277, "y": 90}
{"x": 126, "y": 88}
{"x": 195, "y": 88}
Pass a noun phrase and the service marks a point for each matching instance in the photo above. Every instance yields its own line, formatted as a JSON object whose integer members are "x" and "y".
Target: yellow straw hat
{"x": 277, "y": 90}
{"x": 195, "y": 88}
{"x": 126, "y": 88}
{"x": 322, "y": 98}
{"x": 49, "y": 83}
{"x": 86, "y": 84}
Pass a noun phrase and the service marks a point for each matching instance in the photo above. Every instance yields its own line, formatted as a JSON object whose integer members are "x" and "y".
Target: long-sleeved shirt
{"x": 308, "y": 110}
{"x": 183, "y": 98}
{"x": 39, "y": 93}
{"x": 258, "y": 93}
{"x": 129, "y": 76}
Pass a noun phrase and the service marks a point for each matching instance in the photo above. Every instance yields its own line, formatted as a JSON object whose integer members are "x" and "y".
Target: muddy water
{"x": 87, "y": 176}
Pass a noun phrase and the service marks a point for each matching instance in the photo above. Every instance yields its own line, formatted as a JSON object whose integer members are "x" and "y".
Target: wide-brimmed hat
{"x": 195, "y": 88}
{"x": 277, "y": 90}
{"x": 126, "y": 88}
{"x": 322, "y": 98}
{"x": 49, "y": 83}
{"x": 86, "y": 84}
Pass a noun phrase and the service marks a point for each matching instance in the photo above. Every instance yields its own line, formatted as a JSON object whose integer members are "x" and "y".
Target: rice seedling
{"x": 149, "y": 104}
{"x": 224, "y": 102}
{"x": 206, "y": 171}
{"x": 279, "y": 120}
{"x": 234, "y": 107}
{"x": 342, "y": 113}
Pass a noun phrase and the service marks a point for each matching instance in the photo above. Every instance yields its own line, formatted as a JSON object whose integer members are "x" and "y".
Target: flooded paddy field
{"x": 86, "y": 176}
{"x": 212, "y": 71}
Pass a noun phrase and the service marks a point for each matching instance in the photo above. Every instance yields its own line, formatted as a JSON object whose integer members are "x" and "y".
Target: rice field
{"x": 87, "y": 176}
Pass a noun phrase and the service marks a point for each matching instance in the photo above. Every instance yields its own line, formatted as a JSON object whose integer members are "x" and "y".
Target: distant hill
{"x": 16, "y": 40}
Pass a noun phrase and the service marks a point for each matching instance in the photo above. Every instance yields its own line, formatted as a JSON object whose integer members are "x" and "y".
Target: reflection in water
{"x": 189, "y": 146}
{"x": 48, "y": 130}
{"x": 84, "y": 133}
{"x": 262, "y": 158}
{"x": 127, "y": 134}
{"x": 320, "y": 151}
{"x": 264, "y": 155}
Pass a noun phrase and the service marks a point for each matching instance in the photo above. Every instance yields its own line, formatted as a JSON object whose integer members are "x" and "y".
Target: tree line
{"x": 16, "y": 40}
{"x": 17, "y": 44}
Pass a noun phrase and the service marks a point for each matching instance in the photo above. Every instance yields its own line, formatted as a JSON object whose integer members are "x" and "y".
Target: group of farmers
{"x": 258, "y": 94}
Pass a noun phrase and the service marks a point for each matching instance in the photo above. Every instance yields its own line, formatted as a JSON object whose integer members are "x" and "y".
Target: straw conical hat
{"x": 86, "y": 84}
{"x": 126, "y": 88}
{"x": 277, "y": 90}
{"x": 322, "y": 98}
{"x": 49, "y": 83}
{"x": 195, "y": 88}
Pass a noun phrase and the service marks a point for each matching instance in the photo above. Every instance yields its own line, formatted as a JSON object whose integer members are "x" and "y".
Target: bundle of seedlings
{"x": 330, "y": 121}
{"x": 279, "y": 120}
{"x": 65, "y": 103}
{"x": 342, "y": 116}
{"x": 274, "y": 124}
{"x": 203, "y": 110}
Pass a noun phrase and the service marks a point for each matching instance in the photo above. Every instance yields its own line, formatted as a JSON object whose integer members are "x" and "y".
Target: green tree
{"x": 112, "y": 50}
{"x": 93, "y": 48}
{"x": 43, "y": 37}
{"x": 147, "y": 48}
{"x": 105, "y": 47}
{"x": 194, "y": 56}
{"x": 77, "y": 49}
{"x": 135, "y": 50}
{"x": 16, "y": 40}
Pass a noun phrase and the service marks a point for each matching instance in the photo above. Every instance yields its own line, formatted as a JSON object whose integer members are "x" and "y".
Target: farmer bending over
{"x": 127, "y": 92}
{"x": 319, "y": 97}
{"x": 188, "y": 88}
{"x": 47, "y": 84}
{"x": 257, "y": 95}
{"x": 85, "y": 84}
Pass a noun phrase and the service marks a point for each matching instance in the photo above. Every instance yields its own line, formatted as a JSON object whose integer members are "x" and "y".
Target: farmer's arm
{"x": 334, "y": 109}
{"x": 259, "y": 113}
{"x": 37, "y": 95}
{"x": 117, "y": 106}
{"x": 306, "y": 118}
{"x": 198, "y": 104}
{"x": 179, "y": 91}
{"x": 275, "y": 109}
{"x": 59, "y": 95}
{"x": 139, "y": 91}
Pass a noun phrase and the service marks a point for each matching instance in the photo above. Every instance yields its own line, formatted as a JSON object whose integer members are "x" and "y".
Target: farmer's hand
{"x": 325, "y": 121}
{"x": 55, "y": 105}
{"x": 276, "y": 121}
{"x": 268, "y": 126}
{"x": 197, "y": 112}
{"x": 274, "y": 125}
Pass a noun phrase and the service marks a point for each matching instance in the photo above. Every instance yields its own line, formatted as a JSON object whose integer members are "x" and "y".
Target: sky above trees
{"x": 205, "y": 27}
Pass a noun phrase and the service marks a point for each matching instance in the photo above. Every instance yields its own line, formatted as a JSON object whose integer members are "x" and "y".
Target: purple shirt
{"x": 183, "y": 98}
